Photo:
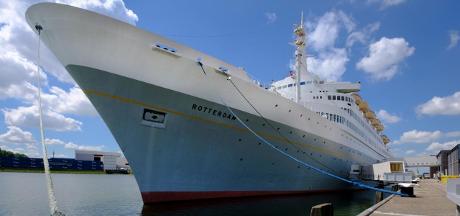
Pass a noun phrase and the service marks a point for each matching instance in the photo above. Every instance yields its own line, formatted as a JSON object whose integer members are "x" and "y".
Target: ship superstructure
{"x": 338, "y": 102}
{"x": 168, "y": 107}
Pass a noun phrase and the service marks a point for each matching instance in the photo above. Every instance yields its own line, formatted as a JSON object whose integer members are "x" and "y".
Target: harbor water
{"x": 92, "y": 194}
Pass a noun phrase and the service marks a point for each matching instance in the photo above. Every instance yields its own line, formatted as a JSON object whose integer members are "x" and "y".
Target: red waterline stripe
{"x": 155, "y": 197}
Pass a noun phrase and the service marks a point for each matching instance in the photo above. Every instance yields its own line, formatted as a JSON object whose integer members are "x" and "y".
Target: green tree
{"x": 5, "y": 153}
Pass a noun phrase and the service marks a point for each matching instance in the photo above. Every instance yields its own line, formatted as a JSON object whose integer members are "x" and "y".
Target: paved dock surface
{"x": 430, "y": 200}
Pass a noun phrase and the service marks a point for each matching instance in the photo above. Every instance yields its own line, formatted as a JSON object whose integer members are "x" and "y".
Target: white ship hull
{"x": 200, "y": 150}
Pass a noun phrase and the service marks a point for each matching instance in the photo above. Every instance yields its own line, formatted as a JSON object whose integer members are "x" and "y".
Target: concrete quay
{"x": 430, "y": 200}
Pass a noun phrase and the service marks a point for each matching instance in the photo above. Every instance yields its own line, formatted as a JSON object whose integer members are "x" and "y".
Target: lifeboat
{"x": 385, "y": 139}
{"x": 363, "y": 106}
{"x": 374, "y": 121}
{"x": 377, "y": 124}
{"x": 369, "y": 115}
{"x": 357, "y": 98}
{"x": 379, "y": 128}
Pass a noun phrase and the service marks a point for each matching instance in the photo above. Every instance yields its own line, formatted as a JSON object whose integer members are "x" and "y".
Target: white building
{"x": 109, "y": 159}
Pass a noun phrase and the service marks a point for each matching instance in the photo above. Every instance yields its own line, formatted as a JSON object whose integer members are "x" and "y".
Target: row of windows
{"x": 360, "y": 121}
{"x": 339, "y": 97}
{"x": 342, "y": 120}
{"x": 301, "y": 83}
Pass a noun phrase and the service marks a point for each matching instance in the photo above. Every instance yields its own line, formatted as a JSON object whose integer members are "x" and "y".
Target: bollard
{"x": 324, "y": 209}
{"x": 378, "y": 196}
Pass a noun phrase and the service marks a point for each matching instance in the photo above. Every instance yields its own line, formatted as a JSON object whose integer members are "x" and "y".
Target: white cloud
{"x": 410, "y": 151}
{"x": 387, "y": 3}
{"x": 271, "y": 17}
{"x": 415, "y": 136}
{"x": 454, "y": 38}
{"x": 327, "y": 28}
{"x": 384, "y": 57}
{"x": 436, "y": 146}
{"x": 18, "y": 52}
{"x": 326, "y": 59}
{"x": 71, "y": 145}
{"x": 28, "y": 117}
{"x": 362, "y": 36}
{"x": 17, "y": 39}
{"x": 16, "y": 135}
{"x": 72, "y": 102}
{"x": 387, "y": 117}
{"x": 452, "y": 134}
{"x": 449, "y": 105}
{"x": 329, "y": 65}
{"x": 19, "y": 141}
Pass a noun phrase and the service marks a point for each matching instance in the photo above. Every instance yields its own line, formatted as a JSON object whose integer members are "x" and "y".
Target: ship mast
{"x": 299, "y": 55}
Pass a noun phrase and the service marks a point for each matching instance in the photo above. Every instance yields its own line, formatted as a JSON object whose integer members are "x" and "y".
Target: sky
{"x": 405, "y": 53}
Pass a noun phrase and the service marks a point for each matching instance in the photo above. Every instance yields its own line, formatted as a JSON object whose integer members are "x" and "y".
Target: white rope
{"x": 49, "y": 181}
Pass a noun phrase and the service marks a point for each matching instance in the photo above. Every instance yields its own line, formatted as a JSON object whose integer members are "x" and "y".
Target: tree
{"x": 5, "y": 153}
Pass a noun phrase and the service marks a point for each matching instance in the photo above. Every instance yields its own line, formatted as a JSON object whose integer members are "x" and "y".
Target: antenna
{"x": 299, "y": 55}
{"x": 301, "y": 18}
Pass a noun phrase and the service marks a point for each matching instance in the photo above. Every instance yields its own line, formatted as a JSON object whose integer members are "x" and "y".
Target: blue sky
{"x": 404, "y": 52}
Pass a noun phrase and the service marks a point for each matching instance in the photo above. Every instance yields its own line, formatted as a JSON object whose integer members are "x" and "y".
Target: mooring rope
{"x": 305, "y": 164}
{"x": 49, "y": 181}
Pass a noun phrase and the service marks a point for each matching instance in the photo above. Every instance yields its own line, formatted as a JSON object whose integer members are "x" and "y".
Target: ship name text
{"x": 214, "y": 112}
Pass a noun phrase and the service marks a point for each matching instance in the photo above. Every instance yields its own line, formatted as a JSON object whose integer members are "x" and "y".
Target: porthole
{"x": 301, "y": 115}
{"x": 303, "y": 136}
{"x": 277, "y": 128}
{"x": 289, "y": 110}
{"x": 241, "y": 159}
{"x": 290, "y": 132}
{"x": 239, "y": 140}
{"x": 263, "y": 124}
{"x": 276, "y": 105}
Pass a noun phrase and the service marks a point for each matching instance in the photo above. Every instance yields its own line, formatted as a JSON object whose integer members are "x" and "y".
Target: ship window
{"x": 320, "y": 97}
{"x": 302, "y": 83}
{"x": 333, "y": 97}
{"x": 289, "y": 85}
{"x": 343, "y": 98}
{"x": 329, "y": 97}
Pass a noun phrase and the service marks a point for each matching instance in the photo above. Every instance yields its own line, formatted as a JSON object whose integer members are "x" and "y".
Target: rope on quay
{"x": 49, "y": 181}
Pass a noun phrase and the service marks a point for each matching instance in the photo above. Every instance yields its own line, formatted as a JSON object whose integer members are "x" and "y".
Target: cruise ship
{"x": 195, "y": 127}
